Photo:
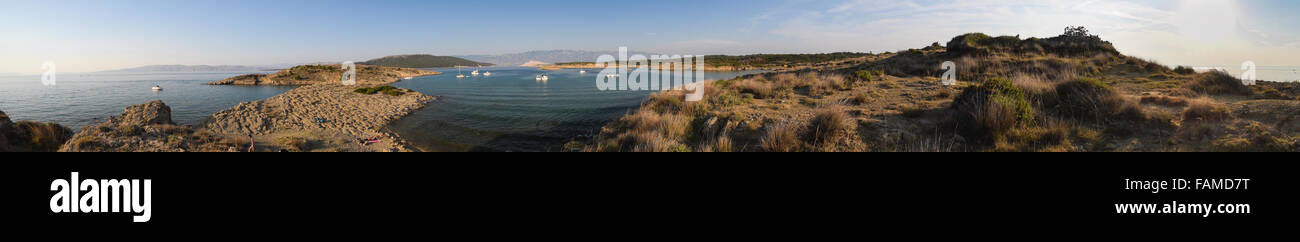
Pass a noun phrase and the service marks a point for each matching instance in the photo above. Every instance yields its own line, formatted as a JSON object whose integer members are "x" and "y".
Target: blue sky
{"x": 101, "y": 35}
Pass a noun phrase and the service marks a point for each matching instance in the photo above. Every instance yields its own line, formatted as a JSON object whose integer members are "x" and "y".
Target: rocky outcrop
{"x": 27, "y": 136}
{"x": 150, "y": 113}
{"x": 325, "y": 74}
{"x": 146, "y": 127}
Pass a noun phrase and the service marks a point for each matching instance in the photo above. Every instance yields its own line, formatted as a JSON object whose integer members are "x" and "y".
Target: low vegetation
{"x": 1072, "y": 92}
{"x": 386, "y": 90}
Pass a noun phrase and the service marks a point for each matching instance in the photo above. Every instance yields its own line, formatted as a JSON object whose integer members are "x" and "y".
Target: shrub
{"x": 1206, "y": 109}
{"x": 991, "y": 109}
{"x": 869, "y": 75}
{"x": 966, "y": 42}
{"x": 1217, "y": 82}
{"x": 827, "y": 124}
{"x": 1184, "y": 70}
{"x": 780, "y": 137}
{"x": 44, "y": 137}
{"x": 664, "y": 102}
{"x": 1088, "y": 98}
{"x": 373, "y": 90}
{"x": 862, "y": 98}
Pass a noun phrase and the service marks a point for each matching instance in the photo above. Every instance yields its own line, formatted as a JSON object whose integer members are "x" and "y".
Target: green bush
{"x": 869, "y": 75}
{"x": 379, "y": 89}
{"x": 988, "y": 110}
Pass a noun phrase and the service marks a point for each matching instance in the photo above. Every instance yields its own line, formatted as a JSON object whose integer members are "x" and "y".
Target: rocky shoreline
{"x": 321, "y": 115}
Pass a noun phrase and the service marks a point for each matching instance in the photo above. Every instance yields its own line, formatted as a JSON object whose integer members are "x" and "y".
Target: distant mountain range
{"x": 196, "y": 68}
{"x": 422, "y": 61}
{"x": 545, "y": 56}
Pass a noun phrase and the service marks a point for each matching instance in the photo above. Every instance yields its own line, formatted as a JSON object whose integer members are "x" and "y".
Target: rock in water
{"x": 150, "y": 113}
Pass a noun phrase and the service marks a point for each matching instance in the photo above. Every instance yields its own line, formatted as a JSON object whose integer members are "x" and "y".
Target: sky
{"x": 95, "y": 35}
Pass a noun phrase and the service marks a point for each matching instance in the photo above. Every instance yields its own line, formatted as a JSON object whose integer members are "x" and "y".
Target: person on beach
{"x": 252, "y": 145}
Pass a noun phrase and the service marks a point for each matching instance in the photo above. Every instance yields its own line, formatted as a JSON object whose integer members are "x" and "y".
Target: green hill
{"x": 422, "y": 61}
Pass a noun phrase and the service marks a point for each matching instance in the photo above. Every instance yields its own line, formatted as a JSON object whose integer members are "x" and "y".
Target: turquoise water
{"x": 512, "y": 111}
{"x": 78, "y": 100}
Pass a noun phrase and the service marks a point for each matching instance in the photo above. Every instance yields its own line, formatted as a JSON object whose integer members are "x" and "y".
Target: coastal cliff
{"x": 318, "y": 74}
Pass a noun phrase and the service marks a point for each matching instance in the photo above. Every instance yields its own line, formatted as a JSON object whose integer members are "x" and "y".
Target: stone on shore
{"x": 146, "y": 127}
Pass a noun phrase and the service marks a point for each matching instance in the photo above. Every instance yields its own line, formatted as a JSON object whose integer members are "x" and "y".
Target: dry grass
{"x": 43, "y": 137}
{"x": 1216, "y": 83}
{"x": 87, "y": 142}
{"x": 758, "y": 88}
{"x": 1052, "y": 136}
{"x": 294, "y": 143}
{"x": 828, "y": 124}
{"x": 781, "y": 137}
{"x": 1165, "y": 101}
{"x": 1206, "y": 109}
{"x": 821, "y": 85}
{"x": 1088, "y": 98}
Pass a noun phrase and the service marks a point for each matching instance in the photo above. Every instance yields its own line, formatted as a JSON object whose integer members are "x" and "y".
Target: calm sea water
{"x": 512, "y": 111}
{"x": 78, "y": 100}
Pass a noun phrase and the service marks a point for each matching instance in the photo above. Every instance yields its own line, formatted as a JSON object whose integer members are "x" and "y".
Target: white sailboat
{"x": 458, "y": 74}
{"x": 475, "y": 73}
{"x": 582, "y": 71}
{"x": 543, "y": 78}
{"x": 487, "y": 73}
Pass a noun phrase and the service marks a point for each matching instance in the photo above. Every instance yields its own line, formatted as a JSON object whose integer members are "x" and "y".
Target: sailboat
{"x": 458, "y": 74}
{"x": 582, "y": 71}
{"x": 475, "y": 73}
{"x": 487, "y": 73}
{"x": 543, "y": 78}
